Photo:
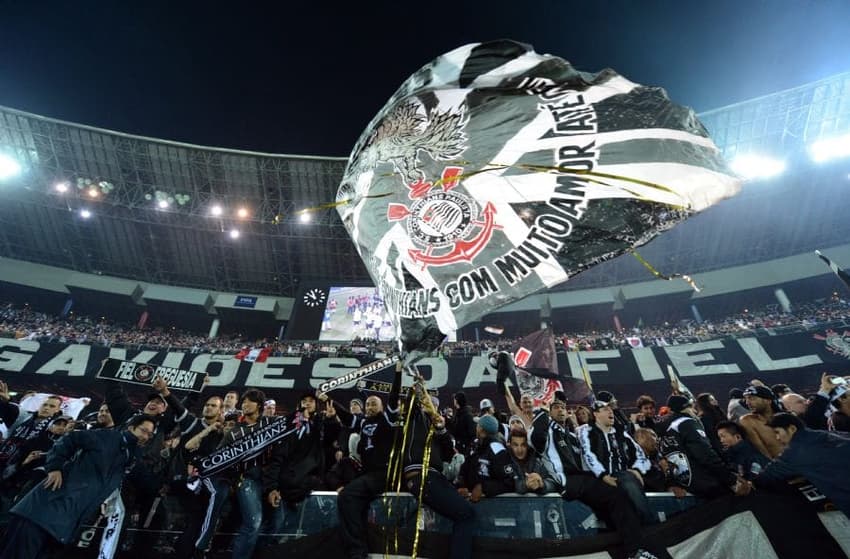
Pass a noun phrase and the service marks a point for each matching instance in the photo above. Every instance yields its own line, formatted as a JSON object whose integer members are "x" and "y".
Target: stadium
{"x": 177, "y": 255}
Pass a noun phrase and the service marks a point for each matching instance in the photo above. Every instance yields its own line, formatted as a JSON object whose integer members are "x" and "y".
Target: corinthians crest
{"x": 838, "y": 344}
{"x": 447, "y": 225}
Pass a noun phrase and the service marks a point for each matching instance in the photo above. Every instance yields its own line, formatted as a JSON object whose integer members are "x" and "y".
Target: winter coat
{"x": 691, "y": 458}
{"x": 88, "y": 479}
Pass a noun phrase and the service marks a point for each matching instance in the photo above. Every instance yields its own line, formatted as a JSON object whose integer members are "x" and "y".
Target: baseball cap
{"x": 486, "y": 403}
{"x": 605, "y": 396}
{"x": 599, "y": 404}
{"x": 677, "y": 403}
{"x": 490, "y": 424}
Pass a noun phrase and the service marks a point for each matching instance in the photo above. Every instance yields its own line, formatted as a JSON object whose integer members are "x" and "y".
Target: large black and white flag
{"x": 495, "y": 172}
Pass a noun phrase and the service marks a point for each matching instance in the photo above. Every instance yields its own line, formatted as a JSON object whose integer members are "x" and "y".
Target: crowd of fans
{"x": 597, "y": 454}
{"x": 25, "y": 323}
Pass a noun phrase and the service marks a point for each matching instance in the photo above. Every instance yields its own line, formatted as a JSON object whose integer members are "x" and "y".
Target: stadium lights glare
{"x": 242, "y": 213}
{"x": 85, "y": 214}
{"x": 8, "y": 167}
{"x": 61, "y": 187}
{"x": 162, "y": 204}
{"x": 751, "y": 166}
{"x": 234, "y": 233}
{"x": 304, "y": 217}
{"x": 93, "y": 192}
{"x": 830, "y": 148}
{"x": 216, "y": 210}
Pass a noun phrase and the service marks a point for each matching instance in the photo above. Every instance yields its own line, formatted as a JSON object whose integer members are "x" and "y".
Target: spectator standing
{"x": 83, "y": 469}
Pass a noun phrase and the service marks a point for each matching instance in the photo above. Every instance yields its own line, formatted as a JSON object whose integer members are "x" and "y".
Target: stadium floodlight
{"x": 162, "y": 204}
{"x": 61, "y": 187}
{"x": 8, "y": 167}
{"x": 85, "y": 214}
{"x": 304, "y": 217}
{"x": 830, "y": 148}
{"x": 242, "y": 213}
{"x": 234, "y": 233}
{"x": 216, "y": 210}
{"x": 93, "y": 192}
{"x": 751, "y": 166}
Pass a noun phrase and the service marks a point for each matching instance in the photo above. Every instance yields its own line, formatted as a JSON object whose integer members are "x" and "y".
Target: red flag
{"x": 254, "y": 354}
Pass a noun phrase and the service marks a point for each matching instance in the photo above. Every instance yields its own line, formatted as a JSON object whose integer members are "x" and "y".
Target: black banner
{"x": 797, "y": 359}
{"x": 360, "y": 373}
{"x": 250, "y": 446}
{"x": 144, "y": 374}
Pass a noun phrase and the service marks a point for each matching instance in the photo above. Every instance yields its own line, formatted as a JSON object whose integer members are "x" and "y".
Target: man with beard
{"x": 376, "y": 429}
{"x": 755, "y": 424}
{"x": 24, "y": 430}
{"x": 202, "y": 438}
{"x": 83, "y": 469}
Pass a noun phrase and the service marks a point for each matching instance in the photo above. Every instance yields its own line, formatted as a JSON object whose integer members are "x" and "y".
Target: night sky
{"x": 305, "y": 77}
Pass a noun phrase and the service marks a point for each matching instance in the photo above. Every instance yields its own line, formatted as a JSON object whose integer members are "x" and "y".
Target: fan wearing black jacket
{"x": 439, "y": 493}
{"x": 377, "y": 430}
{"x": 552, "y": 439}
{"x": 692, "y": 462}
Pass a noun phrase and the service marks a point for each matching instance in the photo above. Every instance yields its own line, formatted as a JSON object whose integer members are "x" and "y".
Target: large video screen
{"x": 355, "y": 312}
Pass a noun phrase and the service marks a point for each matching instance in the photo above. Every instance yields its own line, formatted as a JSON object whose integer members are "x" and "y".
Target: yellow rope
{"x": 688, "y": 279}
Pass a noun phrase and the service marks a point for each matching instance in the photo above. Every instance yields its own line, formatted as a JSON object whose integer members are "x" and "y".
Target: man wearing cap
{"x": 553, "y": 440}
{"x": 818, "y": 456}
{"x": 762, "y": 404}
{"x": 620, "y": 420}
{"x": 692, "y": 462}
{"x": 491, "y": 473}
{"x": 613, "y": 456}
{"x": 486, "y": 407}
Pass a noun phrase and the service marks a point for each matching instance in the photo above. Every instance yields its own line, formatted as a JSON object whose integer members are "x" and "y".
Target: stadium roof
{"x": 151, "y": 203}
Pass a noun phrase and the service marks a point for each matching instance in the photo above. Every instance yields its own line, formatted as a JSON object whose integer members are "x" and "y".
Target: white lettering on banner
{"x": 125, "y": 370}
{"x": 332, "y": 367}
{"x": 647, "y": 364}
{"x": 439, "y": 372}
{"x": 229, "y": 368}
{"x": 121, "y": 354}
{"x": 271, "y": 373}
{"x": 588, "y": 358}
{"x": 13, "y": 360}
{"x": 764, "y": 362}
{"x": 480, "y": 372}
{"x": 74, "y": 359}
{"x": 690, "y": 360}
